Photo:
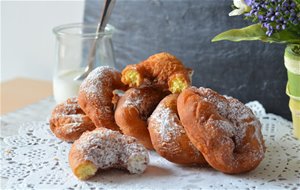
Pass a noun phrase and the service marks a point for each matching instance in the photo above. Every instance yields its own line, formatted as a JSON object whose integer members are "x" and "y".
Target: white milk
{"x": 64, "y": 85}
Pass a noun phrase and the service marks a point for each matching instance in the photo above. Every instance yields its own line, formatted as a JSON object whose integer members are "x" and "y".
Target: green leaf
{"x": 256, "y": 32}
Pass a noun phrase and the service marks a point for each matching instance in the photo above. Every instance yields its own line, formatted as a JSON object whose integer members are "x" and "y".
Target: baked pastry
{"x": 96, "y": 94}
{"x": 133, "y": 110}
{"x": 103, "y": 149}
{"x": 68, "y": 121}
{"x": 162, "y": 69}
{"x": 168, "y": 136}
{"x": 225, "y": 131}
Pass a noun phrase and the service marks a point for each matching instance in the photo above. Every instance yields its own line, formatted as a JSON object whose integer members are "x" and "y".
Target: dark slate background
{"x": 246, "y": 70}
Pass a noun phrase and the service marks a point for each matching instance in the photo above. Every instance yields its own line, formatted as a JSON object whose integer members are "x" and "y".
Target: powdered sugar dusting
{"x": 98, "y": 78}
{"x": 70, "y": 106}
{"x": 96, "y": 94}
{"x": 137, "y": 97}
{"x": 110, "y": 149}
{"x": 237, "y": 120}
{"x": 144, "y": 99}
{"x": 134, "y": 102}
{"x": 77, "y": 121}
{"x": 244, "y": 118}
{"x": 68, "y": 116}
{"x": 171, "y": 140}
{"x": 166, "y": 121}
{"x": 225, "y": 125}
{"x": 99, "y": 85}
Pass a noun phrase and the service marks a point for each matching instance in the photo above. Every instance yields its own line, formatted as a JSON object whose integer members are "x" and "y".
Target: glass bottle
{"x": 73, "y": 43}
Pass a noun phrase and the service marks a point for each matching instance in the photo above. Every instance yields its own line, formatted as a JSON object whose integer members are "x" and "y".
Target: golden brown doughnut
{"x": 103, "y": 149}
{"x": 133, "y": 110}
{"x": 68, "y": 121}
{"x": 225, "y": 131}
{"x": 168, "y": 136}
{"x": 96, "y": 94}
{"x": 162, "y": 69}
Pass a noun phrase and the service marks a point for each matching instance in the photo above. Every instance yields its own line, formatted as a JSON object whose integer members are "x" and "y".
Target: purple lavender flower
{"x": 274, "y": 15}
{"x": 248, "y": 2}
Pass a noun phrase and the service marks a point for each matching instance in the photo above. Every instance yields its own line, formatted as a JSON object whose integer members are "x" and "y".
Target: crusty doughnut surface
{"x": 225, "y": 131}
{"x": 162, "y": 69}
{"x": 102, "y": 149}
{"x": 133, "y": 110}
{"x": 168, "y": 135}
{"x": 68, "y": 121}
{"x": 96, "y": 96}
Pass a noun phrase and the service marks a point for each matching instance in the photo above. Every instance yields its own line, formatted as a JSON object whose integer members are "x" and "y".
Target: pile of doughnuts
{"x": 159, "y": 109}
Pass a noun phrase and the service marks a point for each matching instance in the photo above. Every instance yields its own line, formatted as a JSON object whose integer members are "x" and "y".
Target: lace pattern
{"x": 35, "y": 159}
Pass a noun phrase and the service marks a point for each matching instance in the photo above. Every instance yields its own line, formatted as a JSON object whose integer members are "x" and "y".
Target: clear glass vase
{"x": 73, "y": 44}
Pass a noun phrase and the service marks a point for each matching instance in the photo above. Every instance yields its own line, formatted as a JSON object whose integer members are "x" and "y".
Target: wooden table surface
{"x": 20, "y": 92}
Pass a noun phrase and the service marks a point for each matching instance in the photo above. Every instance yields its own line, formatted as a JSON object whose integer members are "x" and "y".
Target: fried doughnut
{"x": 225, "y": 131}
{"x": 103, "y": 149}
{"x": 163, "y": 69}
{"x": 168, "y": 135}
{"x": 96, "y": 94}
{"x": 133, "y": 110}
{"x": 68, "y": 121}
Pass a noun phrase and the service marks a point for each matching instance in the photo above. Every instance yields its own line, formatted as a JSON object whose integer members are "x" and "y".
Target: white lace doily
{"x": 35, "y": 159}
